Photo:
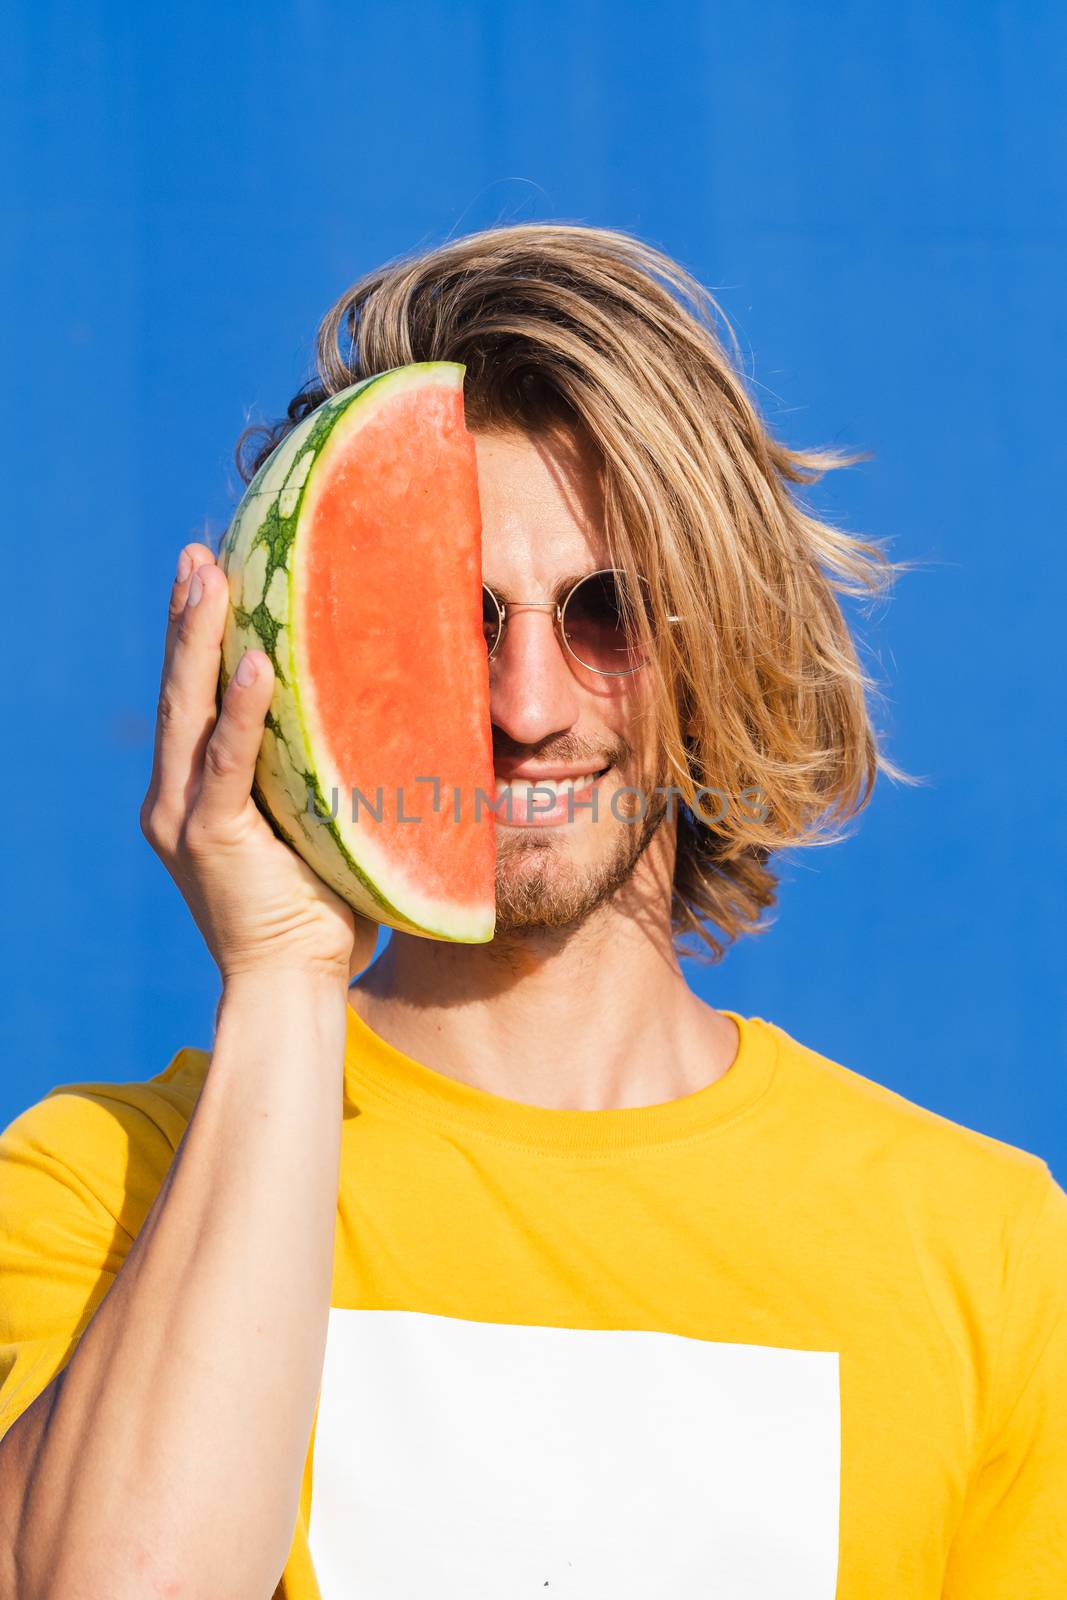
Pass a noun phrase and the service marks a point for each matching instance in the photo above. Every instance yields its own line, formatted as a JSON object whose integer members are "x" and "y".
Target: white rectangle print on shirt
{"x": 495, "y": 1461}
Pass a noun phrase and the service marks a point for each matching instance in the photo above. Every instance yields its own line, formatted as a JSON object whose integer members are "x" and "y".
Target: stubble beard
{"x": 539, "y": 887}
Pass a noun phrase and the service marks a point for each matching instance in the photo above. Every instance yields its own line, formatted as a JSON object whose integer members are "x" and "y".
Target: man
{"x": 516, "y": 1267}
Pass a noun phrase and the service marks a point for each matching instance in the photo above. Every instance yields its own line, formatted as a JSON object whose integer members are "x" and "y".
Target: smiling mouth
{"x": 557, "y": 785}
{"x": 524, "y": 802}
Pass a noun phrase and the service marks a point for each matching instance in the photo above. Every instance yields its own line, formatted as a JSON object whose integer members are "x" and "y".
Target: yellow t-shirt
{"x": 785, "y": 1338}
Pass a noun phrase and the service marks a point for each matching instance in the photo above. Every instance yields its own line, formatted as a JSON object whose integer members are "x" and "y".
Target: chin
{"x": 543, "y": 882}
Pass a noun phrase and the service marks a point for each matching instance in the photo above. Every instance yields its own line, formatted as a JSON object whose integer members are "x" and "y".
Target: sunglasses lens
{"x": 490, "y": 619}
{"x": 595, "y": 625}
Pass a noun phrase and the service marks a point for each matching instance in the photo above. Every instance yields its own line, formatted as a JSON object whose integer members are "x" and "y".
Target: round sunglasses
{"x": 592, "y": 620}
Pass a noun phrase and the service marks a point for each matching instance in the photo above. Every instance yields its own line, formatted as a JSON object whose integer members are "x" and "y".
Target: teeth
{"x": 521, "y": 787}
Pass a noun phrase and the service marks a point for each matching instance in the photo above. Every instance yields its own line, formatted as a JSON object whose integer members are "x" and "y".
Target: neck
{"x": 586, "y": 1018}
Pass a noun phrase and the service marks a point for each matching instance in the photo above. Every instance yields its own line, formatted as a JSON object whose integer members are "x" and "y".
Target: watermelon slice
{"x": 354, "y": 562}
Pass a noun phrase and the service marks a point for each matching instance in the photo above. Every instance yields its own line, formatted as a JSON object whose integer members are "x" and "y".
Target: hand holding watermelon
{"x": 258, "y": 905}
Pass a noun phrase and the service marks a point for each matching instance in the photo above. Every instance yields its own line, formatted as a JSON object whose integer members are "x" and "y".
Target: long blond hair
{"x": 760, "y": 686}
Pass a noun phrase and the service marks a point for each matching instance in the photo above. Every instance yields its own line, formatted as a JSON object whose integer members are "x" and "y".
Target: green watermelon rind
{"x": 256, "y": 555}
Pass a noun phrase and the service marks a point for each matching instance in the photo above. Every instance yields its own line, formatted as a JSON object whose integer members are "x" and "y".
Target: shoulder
{"x": 895, "y": 1148}
{"x": 99, "y": 1145}
{"x": 79, "y": 1171}
{"x": 970, "y": 1224}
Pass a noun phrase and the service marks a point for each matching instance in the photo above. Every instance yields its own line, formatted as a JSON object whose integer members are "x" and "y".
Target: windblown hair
{"x": 759, "y": 685}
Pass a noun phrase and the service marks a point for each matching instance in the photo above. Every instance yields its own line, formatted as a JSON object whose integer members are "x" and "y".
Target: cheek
{"x": 622, "y": 712}
{"x": 635, "y": 714}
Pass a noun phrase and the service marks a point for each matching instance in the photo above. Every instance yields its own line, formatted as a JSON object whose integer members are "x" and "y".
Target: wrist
{"x": 268, "y": 981}
{"x": 281, "y": 1005}
{"x": 284, "y": 964}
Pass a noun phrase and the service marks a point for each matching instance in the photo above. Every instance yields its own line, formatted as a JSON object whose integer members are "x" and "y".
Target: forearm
{"x": 167, "y": 1456}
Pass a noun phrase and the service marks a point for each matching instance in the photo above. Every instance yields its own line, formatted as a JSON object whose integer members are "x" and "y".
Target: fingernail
{"x": 247, "y": 672}
{"x": 185, "y": 566}
{"x": 196, "y": 589}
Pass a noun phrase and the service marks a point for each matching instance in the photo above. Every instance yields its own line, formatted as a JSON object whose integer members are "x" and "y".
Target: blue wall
{"x": 877, "y": 195}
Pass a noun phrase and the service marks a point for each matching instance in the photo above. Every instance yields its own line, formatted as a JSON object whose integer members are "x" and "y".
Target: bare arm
{"x": 166, "y": 1458}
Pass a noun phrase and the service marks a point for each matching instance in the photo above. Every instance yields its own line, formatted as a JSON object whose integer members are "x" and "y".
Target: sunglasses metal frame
{"x": 558, "y": 608}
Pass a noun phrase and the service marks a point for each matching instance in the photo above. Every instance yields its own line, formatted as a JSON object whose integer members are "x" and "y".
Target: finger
{"x": 190, "y": 557}
{"x": 187, "y": 704}
{"x": 231, "y": 752}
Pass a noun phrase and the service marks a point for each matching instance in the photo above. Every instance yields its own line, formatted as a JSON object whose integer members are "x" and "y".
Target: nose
{"x": 532, "y": 691}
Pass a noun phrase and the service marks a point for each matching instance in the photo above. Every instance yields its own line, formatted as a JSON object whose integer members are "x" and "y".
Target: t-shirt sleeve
{"x": 1011, "y": 1543}
{"x": 78, "y": 1174}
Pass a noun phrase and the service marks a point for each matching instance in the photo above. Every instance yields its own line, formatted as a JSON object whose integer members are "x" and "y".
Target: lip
{"x": 565, "y": 810}
{"x": 531, "y": 773}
